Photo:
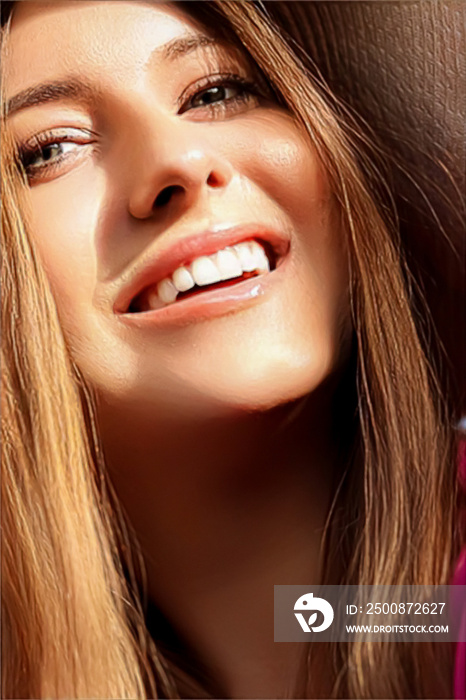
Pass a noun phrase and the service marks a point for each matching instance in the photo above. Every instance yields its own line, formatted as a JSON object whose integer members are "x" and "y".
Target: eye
{"x": 220, "y": 94}
{"x": 216, "y": 93}
{"x": 44, "y": 155}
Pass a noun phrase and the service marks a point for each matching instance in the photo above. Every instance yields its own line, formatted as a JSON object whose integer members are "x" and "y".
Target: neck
{"x": 224, "y": 511}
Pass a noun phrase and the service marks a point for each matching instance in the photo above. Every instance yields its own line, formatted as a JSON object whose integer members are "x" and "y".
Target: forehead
{"x": 89, "y": 36}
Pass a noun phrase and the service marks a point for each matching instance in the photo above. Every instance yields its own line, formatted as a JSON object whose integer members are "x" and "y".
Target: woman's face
{"x": 149, "y": 150}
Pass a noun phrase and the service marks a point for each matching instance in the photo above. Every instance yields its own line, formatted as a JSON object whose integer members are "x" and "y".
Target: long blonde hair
{"x": 73, "y": 615}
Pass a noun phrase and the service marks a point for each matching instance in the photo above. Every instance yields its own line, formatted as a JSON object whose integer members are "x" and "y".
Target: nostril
{"x": 166, "y": 194}
{"x": 214, "y": 180}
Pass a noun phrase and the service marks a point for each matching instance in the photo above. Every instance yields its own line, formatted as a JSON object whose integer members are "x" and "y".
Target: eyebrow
{"x": 186, "y": 44}
{"x": 63, "y": 89}
{"x": 82, "y": 91}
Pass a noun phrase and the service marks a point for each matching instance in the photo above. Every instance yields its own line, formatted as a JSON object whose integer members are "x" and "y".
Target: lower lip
{"x": 207, "y": 305}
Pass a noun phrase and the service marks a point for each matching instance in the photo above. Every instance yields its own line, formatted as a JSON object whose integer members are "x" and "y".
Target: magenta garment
{"x": 459, "y": 578}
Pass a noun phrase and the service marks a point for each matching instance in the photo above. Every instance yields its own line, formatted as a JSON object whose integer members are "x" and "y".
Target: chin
{"x": 258, "y": 383}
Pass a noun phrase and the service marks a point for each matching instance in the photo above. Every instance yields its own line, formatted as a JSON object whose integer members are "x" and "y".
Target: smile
{"x": 230, "y": 265}
{"x": 206, "y": 275}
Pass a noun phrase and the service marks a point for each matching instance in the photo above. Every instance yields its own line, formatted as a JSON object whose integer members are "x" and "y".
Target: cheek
{"x": 274, "y": 155}
{"x": 281, "y": 162}
{"x": 63, "y": 223}
{"x": 295, "y": 178}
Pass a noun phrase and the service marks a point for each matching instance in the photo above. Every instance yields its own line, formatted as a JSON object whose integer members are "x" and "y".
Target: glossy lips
{"x": 231, "y": 264}
{"x": 203, "y": 260}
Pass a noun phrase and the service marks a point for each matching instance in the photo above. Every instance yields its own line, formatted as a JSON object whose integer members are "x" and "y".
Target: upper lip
{"x": 162, "y": 263}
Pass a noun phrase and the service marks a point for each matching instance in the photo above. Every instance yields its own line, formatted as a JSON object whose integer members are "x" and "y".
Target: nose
{"x": 178, "y": 166}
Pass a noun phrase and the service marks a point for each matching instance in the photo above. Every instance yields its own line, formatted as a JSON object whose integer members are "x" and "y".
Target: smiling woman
{"x": 213, "y": 380}
{"x": 176, "y": 157}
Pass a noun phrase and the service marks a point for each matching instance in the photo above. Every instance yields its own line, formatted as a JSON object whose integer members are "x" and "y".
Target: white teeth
{"x": 205, "y": 271}
{"x": 167, "y": 291}
{"x": 262, "y": 261}
{"x": 246, "y": 257}
{"x": 183, "y": 279}
{"x": 228, "y": 264}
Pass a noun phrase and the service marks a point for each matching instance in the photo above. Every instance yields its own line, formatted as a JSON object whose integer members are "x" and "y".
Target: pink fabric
{"x": 459, "y": 578}
{"x": 459, "y": 678}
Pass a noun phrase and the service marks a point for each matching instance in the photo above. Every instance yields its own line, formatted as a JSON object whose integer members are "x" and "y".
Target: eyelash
{"x": 247, "y": 90}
